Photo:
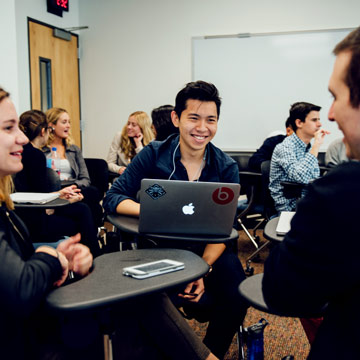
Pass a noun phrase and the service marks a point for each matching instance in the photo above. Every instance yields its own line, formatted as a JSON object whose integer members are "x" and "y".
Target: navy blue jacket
{"x": 264, "y": 153}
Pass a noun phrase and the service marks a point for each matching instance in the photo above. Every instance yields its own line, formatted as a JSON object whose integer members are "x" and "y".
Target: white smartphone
{"x": 153, "y": 268}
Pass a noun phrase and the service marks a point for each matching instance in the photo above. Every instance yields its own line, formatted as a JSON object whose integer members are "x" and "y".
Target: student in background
{"x": 162, "y": 123}
{"x": 136, "y": 134}
{"x": 303, "y": 273}
{"x": 265, "y": 152}
{"x": 73, "y": 169}
{"x": 191, "y": 156}
{"x": 50, "y": 225}
{"x": 294, "y": 159}
{"x": 336, "y": 153}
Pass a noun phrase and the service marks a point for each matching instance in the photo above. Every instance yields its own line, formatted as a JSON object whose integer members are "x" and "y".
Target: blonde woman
{"x": 136, "y": 134}
{"x": 73, "y": 169}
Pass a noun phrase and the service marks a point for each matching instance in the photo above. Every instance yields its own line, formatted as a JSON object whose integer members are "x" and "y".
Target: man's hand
{"x": 193, "y": 291}
{"x": 320, "y": 135}
{"x": 318, "y": 140}
{"x": 78, "y": 255}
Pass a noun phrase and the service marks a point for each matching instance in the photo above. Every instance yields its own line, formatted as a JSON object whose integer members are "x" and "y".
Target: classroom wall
{"x": 14, "y": 59}
{"x": 8, "y": 53}
{"x": 136, "y": 54}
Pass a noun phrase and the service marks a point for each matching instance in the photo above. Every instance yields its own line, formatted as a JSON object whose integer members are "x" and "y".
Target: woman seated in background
{"x": 73, "y": 169}
{"x": 162, "y": 123}
{"x": 51, "y": 225}
{"x": 27, "y": 331}
{"x": 136, "y": 134}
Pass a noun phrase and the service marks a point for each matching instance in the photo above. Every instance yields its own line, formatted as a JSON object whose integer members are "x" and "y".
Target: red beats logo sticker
{"x": 223, "y": 195}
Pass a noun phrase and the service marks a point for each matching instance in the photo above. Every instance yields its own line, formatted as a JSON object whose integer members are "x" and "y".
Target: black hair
{"x": 198, "y": 90}
{"x": 161, "y": 119}
{"x": 300, "y": 110}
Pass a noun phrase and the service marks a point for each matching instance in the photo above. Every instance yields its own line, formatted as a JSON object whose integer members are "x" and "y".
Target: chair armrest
{"x": 292, "y": 189}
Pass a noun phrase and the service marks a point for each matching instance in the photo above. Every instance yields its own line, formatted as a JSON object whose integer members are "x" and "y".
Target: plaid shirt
{"x": 291, "y": 161}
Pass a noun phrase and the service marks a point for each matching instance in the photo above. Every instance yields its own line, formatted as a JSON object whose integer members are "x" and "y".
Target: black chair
{"x": 268, "y": 210}
{"x": 99, "y": 174}
{"x": 250, "y": 182}
{"x": 99, "y": 178}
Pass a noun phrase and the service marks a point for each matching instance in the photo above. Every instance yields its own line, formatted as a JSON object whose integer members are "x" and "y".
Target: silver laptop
{"x": 184, "y": 207}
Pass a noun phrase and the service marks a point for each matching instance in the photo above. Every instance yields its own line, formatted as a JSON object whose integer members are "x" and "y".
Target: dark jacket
{"x": 25, "y": 279}
{"x": 318, "y": 263}
{"x": 264, "y": 153}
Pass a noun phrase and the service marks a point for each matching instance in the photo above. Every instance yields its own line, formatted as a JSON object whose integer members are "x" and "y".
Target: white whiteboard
{"x": 259, "y": 76}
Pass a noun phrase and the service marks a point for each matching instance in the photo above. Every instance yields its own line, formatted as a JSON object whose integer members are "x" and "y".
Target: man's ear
{"x": 175, "y": 119}
{"x": 298, "y": 123}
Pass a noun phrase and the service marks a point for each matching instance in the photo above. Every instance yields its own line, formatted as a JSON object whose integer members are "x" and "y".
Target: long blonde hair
{"x": 127, "y": 144}
{"x": 52, "y": 116}
{"x": 6, "y": 184}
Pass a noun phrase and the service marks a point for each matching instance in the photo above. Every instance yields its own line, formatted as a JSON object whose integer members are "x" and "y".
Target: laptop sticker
{"x": 223, "y": 195}
{"x": 155, "y": 191}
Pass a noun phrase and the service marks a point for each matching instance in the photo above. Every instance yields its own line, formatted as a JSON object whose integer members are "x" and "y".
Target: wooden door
{"x": 60, "y": 58}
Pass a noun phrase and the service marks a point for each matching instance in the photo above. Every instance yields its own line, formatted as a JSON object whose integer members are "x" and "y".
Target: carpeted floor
{"x": 283, "y": 336}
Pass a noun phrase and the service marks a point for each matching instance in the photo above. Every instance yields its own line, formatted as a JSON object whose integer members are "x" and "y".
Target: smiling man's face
{"x": 197, "y": 124}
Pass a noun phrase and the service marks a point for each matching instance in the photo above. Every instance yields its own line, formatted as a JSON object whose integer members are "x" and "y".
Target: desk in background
{"x": 49, "y": 205}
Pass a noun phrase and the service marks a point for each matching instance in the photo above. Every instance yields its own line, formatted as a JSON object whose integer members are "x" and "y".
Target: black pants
{"x": 221, "y": 304}
{"x": 149, "y": 327}
{"x": 67, "y": 220}
{"x": 92, "y": 198}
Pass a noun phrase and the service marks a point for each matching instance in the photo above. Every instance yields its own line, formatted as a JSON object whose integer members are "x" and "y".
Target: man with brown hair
{"x": 313, "y": 267}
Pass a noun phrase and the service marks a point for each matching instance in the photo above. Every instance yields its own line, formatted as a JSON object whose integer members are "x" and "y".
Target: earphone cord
{"x": 201, "y": 166}
{"x": 174, "y": 167}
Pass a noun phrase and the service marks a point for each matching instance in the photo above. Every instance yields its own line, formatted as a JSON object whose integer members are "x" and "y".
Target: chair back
{"x": 98, "y": 173}
{"x": 268, "y": 201}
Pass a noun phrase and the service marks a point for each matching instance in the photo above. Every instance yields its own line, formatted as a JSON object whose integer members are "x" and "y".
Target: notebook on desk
{"x": 184, "y": 207}
{"x": 283, "y": 225}
{"x": 33, "y": 198}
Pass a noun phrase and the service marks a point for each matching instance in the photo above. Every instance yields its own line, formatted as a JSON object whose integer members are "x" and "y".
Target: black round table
{"x": 270, "y": 230}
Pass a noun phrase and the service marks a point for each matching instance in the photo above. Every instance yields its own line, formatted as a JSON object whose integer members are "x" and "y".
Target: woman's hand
{"x": 79, "y": 256}
{"x": 61, "y": 257}
{"x": 71, "y": 193}
{"x": 122, "y": 169}
{"x": 138, "y": 139}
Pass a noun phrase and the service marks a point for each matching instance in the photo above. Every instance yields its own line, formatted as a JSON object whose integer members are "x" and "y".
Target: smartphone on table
{"x": 153, "y": 268}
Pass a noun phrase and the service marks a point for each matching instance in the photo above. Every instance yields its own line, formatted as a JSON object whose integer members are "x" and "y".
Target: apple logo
{"x": 188, "y": 209}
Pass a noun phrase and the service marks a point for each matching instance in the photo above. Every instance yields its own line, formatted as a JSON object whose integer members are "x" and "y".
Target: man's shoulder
{"x": 220, "y": 156}
{"x": 349, "y": 170}
{"x": 344, "y": 178}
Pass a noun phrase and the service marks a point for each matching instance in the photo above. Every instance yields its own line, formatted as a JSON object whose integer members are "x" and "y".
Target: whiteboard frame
{"x": 220, "y": 139}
